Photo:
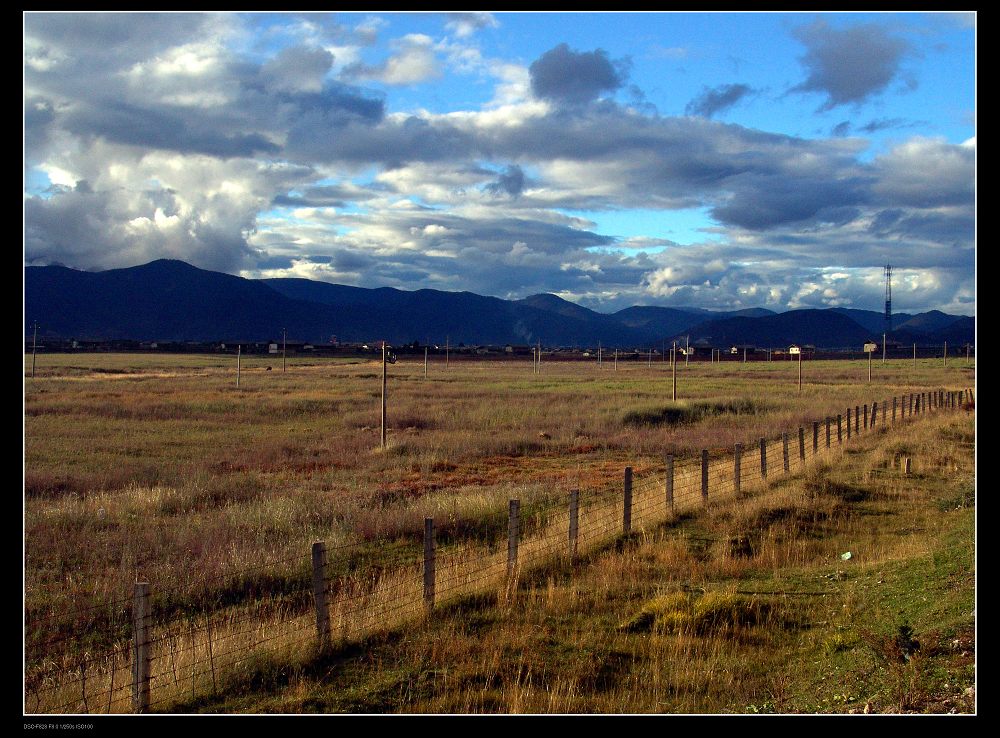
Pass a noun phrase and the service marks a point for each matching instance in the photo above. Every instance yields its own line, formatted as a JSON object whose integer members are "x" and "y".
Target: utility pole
{"x": 883, "y": 349}
{"x": 649, "y": 362}
{"x": 425, "y": 361}
{"x": 238, "y": 348}
{"x": 616, "y": 359}
{"x": 869, "y": 367}
{"x": 914, "y": 356}
{"x": 447, "y": 351}
{"x": 673, "y": 363}
{"x": 284, "y": 344}
{"x": 687, "y": 349}
{"x": 34, "y": 346}
{"x": 599, "y": 354}
{"x": 539, "y": 370}
{"x": 800, "y": 369}
{"x": 383, "y": 394}
{"x": 945, "y": 353}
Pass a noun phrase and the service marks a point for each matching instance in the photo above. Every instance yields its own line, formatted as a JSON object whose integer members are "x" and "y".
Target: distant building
{"x": 517, "y": 349}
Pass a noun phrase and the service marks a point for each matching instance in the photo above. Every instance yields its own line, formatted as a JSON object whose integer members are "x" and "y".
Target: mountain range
{"x": 169, "y": 300}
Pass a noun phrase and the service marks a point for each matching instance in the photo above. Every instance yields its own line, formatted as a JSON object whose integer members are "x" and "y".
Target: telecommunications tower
{"x": 888, "y": 298}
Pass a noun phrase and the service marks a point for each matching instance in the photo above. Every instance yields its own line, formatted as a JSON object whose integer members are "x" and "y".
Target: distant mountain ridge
{"x": 169, "y": 300}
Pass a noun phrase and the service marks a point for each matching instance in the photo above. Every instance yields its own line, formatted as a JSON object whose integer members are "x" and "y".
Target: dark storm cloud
{"x": 85, "y": 229}
{"x": 717, "y": 99}
{"x": 763, "y": 202}
{"x": 161, "y": 129}
{"x": 413, "y": 139}
{"x": 575, "y": 77}
{"x": 510, "y": 182}
{"x": 117, "y": 38}
{"x": 848, "y": 65}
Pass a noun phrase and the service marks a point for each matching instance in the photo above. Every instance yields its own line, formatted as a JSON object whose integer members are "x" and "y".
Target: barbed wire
{"x": 601, "y": 513}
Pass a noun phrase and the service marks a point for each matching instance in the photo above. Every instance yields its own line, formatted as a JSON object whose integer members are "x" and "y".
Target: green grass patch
{"x": 680, "y": 413}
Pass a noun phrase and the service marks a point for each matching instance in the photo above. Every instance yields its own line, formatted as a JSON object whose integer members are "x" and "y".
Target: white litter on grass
{"x": 845, "y": 556}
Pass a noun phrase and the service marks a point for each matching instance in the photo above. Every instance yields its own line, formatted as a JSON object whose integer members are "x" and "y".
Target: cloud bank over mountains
{"x": 274, "y": 146}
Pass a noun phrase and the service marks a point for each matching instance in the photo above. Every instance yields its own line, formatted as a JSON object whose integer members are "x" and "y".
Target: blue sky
{"x": 716, "y": 160}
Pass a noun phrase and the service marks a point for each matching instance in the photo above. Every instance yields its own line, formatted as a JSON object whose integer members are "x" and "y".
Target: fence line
{"x": 168, "y": 664}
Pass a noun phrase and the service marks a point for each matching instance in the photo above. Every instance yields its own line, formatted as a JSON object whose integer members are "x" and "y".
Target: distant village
{"x": 701, "y": 351}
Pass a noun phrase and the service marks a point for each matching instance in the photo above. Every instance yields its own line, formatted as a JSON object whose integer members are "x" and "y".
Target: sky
{"x": 715, "y": 160}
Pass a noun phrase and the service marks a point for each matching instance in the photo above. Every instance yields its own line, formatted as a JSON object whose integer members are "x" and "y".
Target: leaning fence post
{"x": 815, "y": 436}
{"x": 513, "y": 534}
{"x": 670, "y": 482}
{"x": 840, "y": 436}
{"x": 763, "y": 458}
{"x": 428, "y": 564}
{"x": 574, "y": 522}
{"x": 784, "y": 451}
{"x": 319, "y": 594}
{"x": 802, "y": 444}
{"x": 737, "y": 457}
{"x": 828, "y": 431}
{"x": 704, "y": 475}
{"x": 627, "y": 506}
{"x": 140, "y": 648}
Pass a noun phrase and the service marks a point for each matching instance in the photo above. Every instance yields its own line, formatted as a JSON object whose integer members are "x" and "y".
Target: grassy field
{"x": 158, "y": 468}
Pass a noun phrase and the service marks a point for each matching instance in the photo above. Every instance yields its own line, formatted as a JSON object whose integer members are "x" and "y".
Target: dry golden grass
{"x": 214, "y": 494}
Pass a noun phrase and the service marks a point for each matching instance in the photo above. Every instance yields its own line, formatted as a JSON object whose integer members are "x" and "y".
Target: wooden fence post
{"x": 763, "y": 458}
{"x": 140, "y": 648}
{"x": 840, "y": 436}
{"x": 815, "y": 436}
{"x": 704, "y": 475}
{"x": 319, "y": 594}
{"x": 670, "y": 482}
{"x": 784, "y": 451}
{"x": 737, "y": 457}
{"x": 428, "y": 564}
{"x": 802, "y": 444}
{"x": 513, "y": 535}
{"x": 906, "y": 466}
{"x": 848, "y": 424}
{"x": 893, "y": 408}
{"x": 857, "y": 419}
{"x": 874, "y": 413}
{"x": 828, "y": 431}
{"x": 866, "y": 415}
{"x": 627, "y": 506}
{"x": 574, "y": 523}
